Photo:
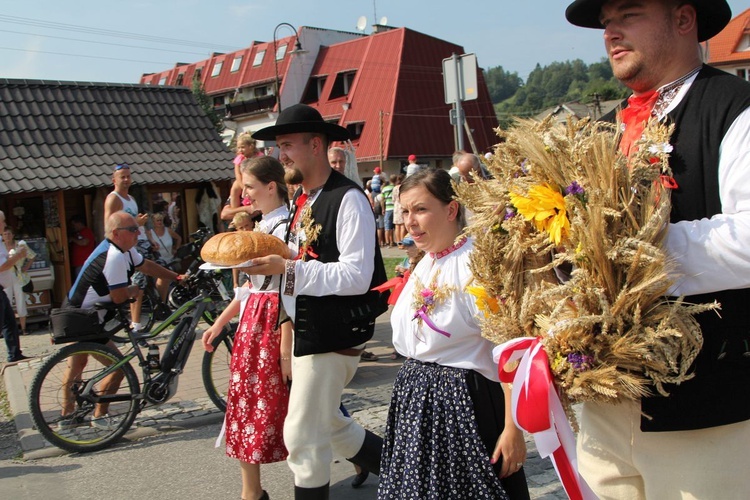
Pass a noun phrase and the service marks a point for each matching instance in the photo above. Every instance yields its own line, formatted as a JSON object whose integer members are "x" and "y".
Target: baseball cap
{"x": 406, "y": 242}
{"x": 412, "y": 157}
{"x": 377, "y": 170}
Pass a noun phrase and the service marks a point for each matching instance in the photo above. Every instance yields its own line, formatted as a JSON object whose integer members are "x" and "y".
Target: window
{"x": 355, "y": 129}
{"x": 343, "y": 84}
{"x": 180, "y": 77}
{"x": 198, "y": 73}
{"x": 281, "y": 52}
{"x": 314, "y": 89}
{"x": 261, "y": 91}
{"x": 217, "y": 69}
{"x": 163, "y": 80}
{"x": 259, "y": 58}
{"x": 742, "y": 73}
{"x": 236, "y": 64}
{"x": 218, "y": 102}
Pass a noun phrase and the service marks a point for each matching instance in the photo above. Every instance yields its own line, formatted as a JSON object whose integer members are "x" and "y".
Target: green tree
{"x": 558, "y": 83}
{"x": 208, "y": 107}
{"x": 501, "y": 84}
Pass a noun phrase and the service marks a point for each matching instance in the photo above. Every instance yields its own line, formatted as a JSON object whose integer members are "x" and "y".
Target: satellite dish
{"x": 384, "y": 21}
{"x": 361, "y": 23}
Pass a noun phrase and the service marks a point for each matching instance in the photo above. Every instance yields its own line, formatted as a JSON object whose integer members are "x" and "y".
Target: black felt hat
{"x": 302, "y": 118}
{"x": 712, "y": 15}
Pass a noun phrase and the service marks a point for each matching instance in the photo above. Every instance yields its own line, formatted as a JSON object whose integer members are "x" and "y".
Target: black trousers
{"x": 489, "y": 409}
{"x": 9, "y": 327}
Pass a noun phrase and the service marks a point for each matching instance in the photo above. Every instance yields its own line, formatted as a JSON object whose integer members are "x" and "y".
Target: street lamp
{"x": 298, "y": 50}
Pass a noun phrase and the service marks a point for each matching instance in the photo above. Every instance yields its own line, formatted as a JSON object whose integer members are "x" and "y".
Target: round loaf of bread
{"x": 236, "y": 247}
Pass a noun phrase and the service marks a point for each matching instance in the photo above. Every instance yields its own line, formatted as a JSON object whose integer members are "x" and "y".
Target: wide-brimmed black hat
{"x": 712, "y": 15}
{"x": 302, "y": 118}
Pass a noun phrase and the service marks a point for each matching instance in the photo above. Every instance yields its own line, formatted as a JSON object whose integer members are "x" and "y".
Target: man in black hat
{"x": 326, "y": 292}
{"x": 691, "y": 443}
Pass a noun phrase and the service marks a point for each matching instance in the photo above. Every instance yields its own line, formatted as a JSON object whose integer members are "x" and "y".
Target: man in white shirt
{"x": 105, "y": 277}
{"x": 690, "y": 443}
{"x": 7, "y": 316}
{"x": 326, "y": 292}
{"x": 413, "y": 166}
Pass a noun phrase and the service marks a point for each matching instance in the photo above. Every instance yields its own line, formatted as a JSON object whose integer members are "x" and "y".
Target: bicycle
{"x": 153, "y": 309}
{"x": 53, "y": 393}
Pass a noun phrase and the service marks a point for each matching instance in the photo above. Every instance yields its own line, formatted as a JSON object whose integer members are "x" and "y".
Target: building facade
{"x": 386, "y": 88}
{"x": 730, "y": 49}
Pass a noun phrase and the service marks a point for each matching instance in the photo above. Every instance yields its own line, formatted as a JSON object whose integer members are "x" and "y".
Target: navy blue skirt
{"x": 433, "y": 447}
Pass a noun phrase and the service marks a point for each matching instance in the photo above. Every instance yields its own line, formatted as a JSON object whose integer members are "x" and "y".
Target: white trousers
{"x": 18, "y": 298}
{"x": 314, "y": 426}
{"x": 618, "y": 461}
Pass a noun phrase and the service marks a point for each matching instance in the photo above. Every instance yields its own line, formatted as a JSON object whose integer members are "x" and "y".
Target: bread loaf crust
{"x": 232, "y": 248}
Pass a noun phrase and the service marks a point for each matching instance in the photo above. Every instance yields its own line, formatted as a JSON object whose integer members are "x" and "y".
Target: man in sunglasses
{"x": 105, "y": 277}
{"x": 120, "y": 199}
{"x": 106, "y": 274}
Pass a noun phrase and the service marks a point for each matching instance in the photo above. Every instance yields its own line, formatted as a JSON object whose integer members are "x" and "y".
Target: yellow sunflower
{"x": 545, "y": 206}
{"x": 485, "y": 302}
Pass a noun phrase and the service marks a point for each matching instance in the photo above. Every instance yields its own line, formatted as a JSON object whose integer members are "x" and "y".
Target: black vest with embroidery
{"x": 719, "y": 394}
{"x": 335, "y": 322}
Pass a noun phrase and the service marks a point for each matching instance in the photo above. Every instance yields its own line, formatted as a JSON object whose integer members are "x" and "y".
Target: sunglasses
{"x": 123, "y": 166}
{"x": 132, "y": 229}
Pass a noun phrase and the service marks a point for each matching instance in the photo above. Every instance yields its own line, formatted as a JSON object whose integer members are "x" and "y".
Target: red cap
{"x": 377, "y": 170}
{"x": 412, "y": 157}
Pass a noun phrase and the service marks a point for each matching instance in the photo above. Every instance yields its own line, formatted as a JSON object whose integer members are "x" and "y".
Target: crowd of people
{"x": 305, "y": 317}
{"x": 471, "y": 448}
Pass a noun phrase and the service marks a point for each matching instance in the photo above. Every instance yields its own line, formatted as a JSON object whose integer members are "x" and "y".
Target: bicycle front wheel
{"x": 216, "y": 367}
{"x": 80, "y": 403}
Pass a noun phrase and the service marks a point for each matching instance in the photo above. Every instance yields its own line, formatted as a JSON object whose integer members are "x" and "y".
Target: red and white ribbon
{"x": 537, "y": 409}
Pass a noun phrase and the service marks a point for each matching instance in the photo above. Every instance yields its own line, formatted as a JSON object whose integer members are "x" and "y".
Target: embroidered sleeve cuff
{"x": 289, "y": 276}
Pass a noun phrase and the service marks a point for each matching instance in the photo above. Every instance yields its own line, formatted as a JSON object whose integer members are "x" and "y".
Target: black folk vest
{"x": 334, "y": 322}
{"x": 719, "y": 394}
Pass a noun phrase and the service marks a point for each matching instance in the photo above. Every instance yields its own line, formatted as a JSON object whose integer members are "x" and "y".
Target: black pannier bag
{"x": 75, "y": 325}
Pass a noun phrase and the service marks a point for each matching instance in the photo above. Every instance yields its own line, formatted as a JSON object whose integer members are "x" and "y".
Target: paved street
{"x": 170, "y": 454}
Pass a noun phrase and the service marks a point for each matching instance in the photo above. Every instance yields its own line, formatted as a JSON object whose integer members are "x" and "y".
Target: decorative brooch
{"x": 425, "y": 300}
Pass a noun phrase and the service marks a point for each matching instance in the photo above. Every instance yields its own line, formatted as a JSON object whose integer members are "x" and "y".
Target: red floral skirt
{"x": 258, "y": 399}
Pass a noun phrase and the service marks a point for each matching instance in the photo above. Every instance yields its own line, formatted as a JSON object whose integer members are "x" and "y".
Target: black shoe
{"x": 18, "y": 360}
{"x": 360, "y": 478}
{"x": 264, "y": 496}
{"x": 368, "y": 457}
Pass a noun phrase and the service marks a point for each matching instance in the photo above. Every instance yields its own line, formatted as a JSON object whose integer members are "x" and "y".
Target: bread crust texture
{"x": 232, "y": 248}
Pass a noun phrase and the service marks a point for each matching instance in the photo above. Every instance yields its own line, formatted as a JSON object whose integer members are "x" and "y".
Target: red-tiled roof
{"x": 226, "y": 80}
{"x": 723, "y": 47}
{"x": 399, "y": 73}
{"x": 396, "y": 93}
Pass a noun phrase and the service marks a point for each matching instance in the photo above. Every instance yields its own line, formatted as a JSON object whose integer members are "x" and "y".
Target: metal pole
{"x": 459, "y": 113}
{"x": 381, "y": 140}
{"x": 276, "y": 72}
{"x": 276, "y": 63}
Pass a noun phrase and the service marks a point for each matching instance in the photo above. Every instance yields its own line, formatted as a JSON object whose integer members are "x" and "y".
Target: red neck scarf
{"x": 634, "y": 117}
{"x": 299, "y": 203}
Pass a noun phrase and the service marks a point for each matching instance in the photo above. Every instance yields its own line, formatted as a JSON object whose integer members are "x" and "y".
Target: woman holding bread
{"x": 261, "y": 367}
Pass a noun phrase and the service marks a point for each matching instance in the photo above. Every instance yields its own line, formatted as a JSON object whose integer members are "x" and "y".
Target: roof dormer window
{"x": 236, "y": 63}
{"x": 259, "y": 58}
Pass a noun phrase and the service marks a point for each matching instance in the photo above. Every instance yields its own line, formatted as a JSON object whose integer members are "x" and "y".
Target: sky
{"x": 107, "y": 41}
